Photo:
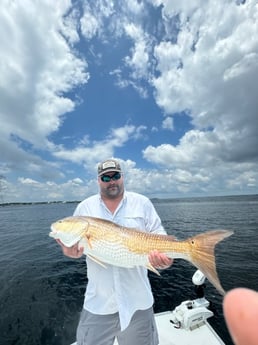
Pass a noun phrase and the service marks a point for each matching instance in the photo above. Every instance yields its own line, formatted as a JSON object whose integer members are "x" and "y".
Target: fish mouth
{"x": 52, "y": 233}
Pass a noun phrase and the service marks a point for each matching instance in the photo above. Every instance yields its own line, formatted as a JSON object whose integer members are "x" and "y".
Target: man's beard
{"x": 113, "y": 191}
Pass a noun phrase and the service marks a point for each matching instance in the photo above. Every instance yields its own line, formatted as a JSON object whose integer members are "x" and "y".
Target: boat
{"x": 188, "y": 322}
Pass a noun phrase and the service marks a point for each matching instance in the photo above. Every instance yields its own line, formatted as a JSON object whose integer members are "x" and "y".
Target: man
{"x": 118, "y": 301}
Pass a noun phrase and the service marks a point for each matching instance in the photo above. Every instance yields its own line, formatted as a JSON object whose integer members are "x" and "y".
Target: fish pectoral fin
{"x": 153, "y": 269}
{"x": 96, "y": 260}
{"x": 88, "y": 239}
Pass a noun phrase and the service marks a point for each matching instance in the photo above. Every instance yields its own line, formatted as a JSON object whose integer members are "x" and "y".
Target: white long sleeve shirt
{"x": 116, "y": 289}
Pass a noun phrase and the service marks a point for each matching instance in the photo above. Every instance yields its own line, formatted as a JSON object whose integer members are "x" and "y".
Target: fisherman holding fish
{"x": 118, "y": 300}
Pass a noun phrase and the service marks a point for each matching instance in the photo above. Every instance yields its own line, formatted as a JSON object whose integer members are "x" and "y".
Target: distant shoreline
{"x": 155, "y": 200}
{"x": 38, "y": 203}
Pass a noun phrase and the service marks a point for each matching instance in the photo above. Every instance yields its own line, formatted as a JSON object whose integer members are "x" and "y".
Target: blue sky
{"x": 169, "y": 88}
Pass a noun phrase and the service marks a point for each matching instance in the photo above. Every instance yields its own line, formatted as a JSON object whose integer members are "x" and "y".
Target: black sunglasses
{"x": 107, "y": 178}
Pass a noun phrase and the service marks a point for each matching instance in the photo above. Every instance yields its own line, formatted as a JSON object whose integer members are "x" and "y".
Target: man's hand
{"x": 159, "y": 260}
{"x": 74, "y": 252}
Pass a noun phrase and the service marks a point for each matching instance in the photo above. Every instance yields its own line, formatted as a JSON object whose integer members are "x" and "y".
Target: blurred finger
{"x": 241, "y": 312}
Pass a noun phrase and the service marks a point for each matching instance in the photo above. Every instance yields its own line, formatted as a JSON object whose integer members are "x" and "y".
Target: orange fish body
{"x": 107, "y": 242}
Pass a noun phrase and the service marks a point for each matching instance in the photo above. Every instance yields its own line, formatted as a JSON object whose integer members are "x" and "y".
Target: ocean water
{"x": 41, "y": 291}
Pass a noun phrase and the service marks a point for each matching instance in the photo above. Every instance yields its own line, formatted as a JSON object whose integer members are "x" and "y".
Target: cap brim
{"x": 108, "y": 171}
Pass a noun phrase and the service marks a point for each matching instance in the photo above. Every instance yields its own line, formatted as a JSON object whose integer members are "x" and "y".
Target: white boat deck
{"x": 169, "y": 335}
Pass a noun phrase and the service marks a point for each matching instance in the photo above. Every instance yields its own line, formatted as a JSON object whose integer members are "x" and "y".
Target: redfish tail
{"x": 203, "y": 256}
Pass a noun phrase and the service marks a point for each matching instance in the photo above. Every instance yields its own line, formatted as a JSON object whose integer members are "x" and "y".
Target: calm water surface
{"x": 41, "y": 291}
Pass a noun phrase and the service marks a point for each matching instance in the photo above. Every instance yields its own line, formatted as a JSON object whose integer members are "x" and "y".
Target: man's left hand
{"x": 159, "y": 260}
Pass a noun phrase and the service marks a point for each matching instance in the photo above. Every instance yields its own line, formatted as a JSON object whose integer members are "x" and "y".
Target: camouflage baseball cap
{"x": 108, "y": 165}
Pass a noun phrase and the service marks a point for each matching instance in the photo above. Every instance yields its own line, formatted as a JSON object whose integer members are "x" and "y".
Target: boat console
{"x": 191, "y": 314}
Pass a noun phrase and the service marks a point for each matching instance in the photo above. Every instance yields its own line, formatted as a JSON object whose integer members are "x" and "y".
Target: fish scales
{"x": 107, "y": 242}
{"x": 129, "y": 246}
{"x": 135, "y": 240}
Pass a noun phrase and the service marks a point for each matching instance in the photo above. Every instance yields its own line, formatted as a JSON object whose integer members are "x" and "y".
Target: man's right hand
{"x": 74, "y": 252}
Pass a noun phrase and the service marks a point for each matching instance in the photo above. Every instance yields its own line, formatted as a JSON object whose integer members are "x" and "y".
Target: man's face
{"x": 111, "y": 184}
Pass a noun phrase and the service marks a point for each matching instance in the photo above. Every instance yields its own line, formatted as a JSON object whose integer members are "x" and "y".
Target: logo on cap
{"x": 108, "y": 166}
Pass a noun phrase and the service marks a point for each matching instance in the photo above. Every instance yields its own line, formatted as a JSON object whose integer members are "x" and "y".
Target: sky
{"x": 167, "y": 87}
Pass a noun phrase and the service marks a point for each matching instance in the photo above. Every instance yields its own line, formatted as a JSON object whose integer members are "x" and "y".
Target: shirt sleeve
{"x": 152, "y": 219}
{"x": 82, "y": 209}
{"x": 77, "y": 211}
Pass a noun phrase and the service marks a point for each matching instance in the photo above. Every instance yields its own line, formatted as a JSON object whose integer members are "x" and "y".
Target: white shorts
{"x": 103, "y": 329}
